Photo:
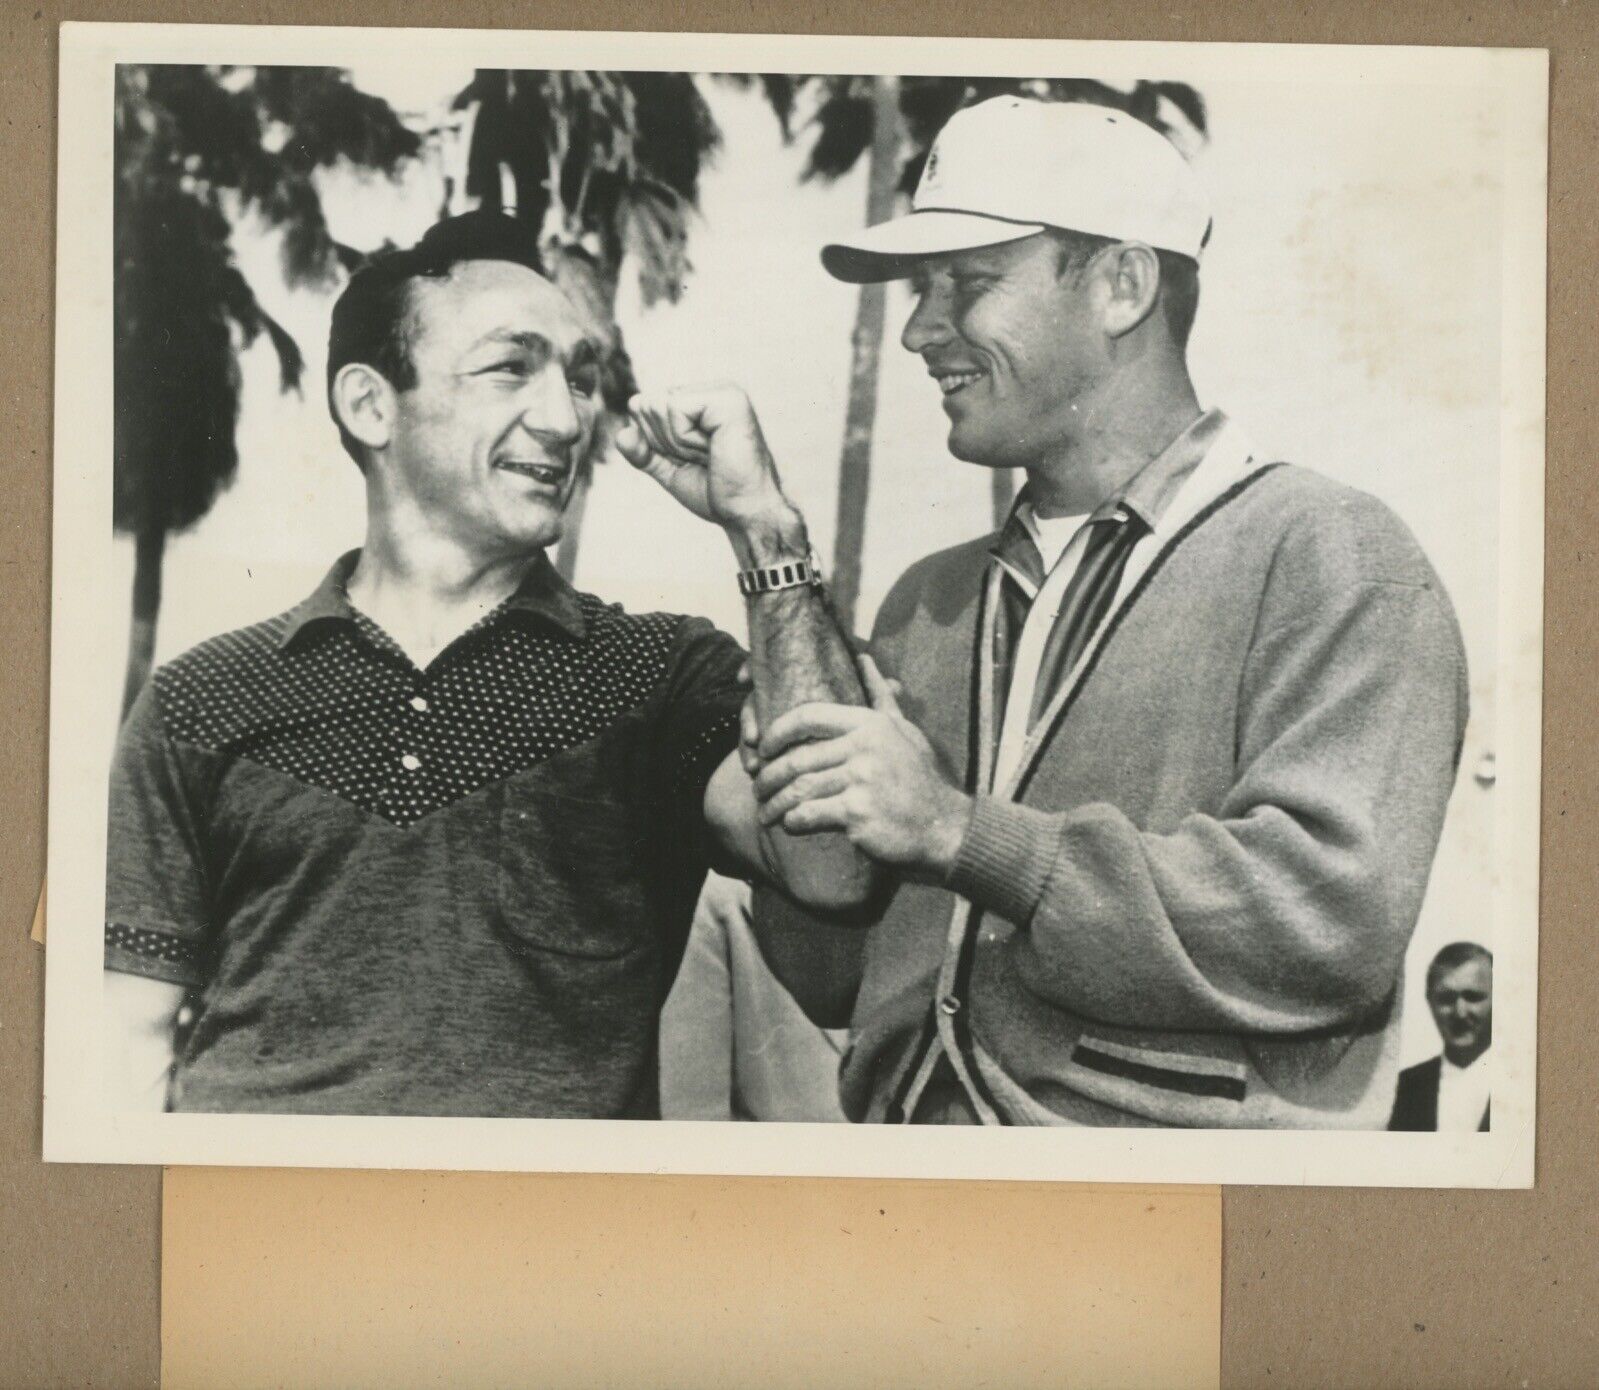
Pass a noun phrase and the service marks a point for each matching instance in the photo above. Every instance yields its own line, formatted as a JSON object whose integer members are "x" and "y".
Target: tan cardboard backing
{"x": 369, "y": 1279}
{"x": 1321, "y": 1288}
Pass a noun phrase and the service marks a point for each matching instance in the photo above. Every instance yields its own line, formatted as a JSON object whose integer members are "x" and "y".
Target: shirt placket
{"x": 409, "y": 782}
{"x": 417, "y": 752}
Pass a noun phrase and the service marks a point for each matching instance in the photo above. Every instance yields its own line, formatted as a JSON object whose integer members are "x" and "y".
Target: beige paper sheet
{"x": 278, "y": 1277}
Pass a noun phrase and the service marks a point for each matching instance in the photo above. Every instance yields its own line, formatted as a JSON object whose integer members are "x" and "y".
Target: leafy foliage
{"x": 608, "y": 162}
{"x": 842, "y": 121}
{"x": 176, "y": 367}
{"x": 194, "y": 147}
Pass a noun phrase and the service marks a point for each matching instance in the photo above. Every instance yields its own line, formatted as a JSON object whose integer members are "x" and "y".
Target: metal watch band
{"x": 791, "y": 574}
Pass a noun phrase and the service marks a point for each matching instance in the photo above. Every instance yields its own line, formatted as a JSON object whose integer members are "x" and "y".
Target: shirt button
{"x": 419, "y": 704}
{"x": 950, "y": 1004}
{"x": 410, "y": 762}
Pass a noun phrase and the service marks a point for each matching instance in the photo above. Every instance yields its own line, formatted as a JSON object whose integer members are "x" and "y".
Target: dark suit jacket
{"x": 1416, "y": 1097}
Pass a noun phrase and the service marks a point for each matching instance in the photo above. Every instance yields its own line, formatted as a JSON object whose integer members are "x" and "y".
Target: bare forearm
{"x": 799, "y": 654}
{"x": 797, "y": 651}
{"x": 705, "y": 447}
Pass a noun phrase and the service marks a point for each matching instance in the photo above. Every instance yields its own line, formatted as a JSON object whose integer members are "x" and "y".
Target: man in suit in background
{"x": 1450, "y": 1092}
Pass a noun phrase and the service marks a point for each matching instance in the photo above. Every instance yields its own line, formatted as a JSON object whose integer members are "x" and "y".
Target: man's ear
{"x": 1133, "y": 288}
{"x": 364, "y": 403}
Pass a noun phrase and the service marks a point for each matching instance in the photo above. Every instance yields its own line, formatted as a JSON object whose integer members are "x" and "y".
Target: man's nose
{"x": 550, "y": 413}
{"x": 928, "y": 325}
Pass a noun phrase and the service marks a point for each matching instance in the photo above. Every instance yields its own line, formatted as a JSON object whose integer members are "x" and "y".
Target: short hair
{"x": 1179, "y": 276}
{"x": 1457, "y": 953}
{"x": 373, "y": 321}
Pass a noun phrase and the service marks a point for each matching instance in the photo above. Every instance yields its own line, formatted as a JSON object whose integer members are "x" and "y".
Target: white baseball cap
{"x": 1011, "y": 166}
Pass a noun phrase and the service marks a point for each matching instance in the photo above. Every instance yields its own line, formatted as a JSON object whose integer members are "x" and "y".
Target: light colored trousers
{"x": 734, "y": 1044}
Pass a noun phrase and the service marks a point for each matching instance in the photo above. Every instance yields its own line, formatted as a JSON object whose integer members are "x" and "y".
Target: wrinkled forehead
{"x": 477, "y": 300}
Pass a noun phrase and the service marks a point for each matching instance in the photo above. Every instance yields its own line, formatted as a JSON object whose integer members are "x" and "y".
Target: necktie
{"x": 1083, "y": 605}
{"x": 1087, "y": 598}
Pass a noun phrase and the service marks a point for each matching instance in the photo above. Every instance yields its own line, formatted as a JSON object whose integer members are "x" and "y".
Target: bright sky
{"x": 1349, "y": 320}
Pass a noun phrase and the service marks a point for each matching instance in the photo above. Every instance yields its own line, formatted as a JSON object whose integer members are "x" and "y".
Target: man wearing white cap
{"x": 1171, "y": 752}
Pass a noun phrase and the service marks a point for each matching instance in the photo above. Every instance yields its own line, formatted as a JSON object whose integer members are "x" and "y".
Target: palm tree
{"x": 604, "y": 165}
{"x": 893, "y": 122}
{"x": 860, "y": 415}
{"x": 196, "y": 147}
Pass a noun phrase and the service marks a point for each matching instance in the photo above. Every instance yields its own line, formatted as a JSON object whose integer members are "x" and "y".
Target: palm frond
{"x": 330, "y": 120}
{"x": 605, "y": 162}
{"x": 655, "y": 233}
{"x": 843, "y": 134}
{"x": 252, "y": 320}
{"x": 193, "y": 146}
{"x": 926, "y": 103}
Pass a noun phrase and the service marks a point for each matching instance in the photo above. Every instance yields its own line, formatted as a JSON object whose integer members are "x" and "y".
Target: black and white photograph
{"x": 619, "y": 594}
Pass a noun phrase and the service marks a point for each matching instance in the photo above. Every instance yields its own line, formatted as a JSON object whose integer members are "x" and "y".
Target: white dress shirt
{"x": 1462, "y": 1096}
{"x": 1054, "y": 536}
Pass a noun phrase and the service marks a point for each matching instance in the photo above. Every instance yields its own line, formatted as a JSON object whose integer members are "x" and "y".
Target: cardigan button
{"x": 950, "y": 1004}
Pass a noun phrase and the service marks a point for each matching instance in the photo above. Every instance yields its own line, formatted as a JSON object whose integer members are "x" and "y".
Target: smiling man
{"x": 429, "y": 842}
{"x": 1170, "y": 762}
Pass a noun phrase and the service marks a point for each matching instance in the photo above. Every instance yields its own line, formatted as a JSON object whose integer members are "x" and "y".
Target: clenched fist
{"x": 705, "y": 447}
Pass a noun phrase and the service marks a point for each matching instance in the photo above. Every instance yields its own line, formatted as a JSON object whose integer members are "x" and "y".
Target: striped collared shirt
{"x": 1049, "y": 619}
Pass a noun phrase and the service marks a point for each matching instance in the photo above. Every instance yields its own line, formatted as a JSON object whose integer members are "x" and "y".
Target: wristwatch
{"x": 791, "y": 574}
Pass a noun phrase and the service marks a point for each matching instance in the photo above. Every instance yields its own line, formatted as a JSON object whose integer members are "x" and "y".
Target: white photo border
{"x": 78, "y": 1125}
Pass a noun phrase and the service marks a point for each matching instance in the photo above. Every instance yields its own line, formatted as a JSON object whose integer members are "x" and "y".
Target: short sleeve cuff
{"x": 1006, "y": 857}
{"x": 156, "y": 955}
{"x": 706, "y": 751}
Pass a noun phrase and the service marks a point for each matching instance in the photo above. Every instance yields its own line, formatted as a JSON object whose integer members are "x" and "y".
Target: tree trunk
{"x": 149, "y": 547}
{"x": 855, "y": 461}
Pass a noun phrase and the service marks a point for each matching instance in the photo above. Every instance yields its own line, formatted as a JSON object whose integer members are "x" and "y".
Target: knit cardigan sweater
{"x": 1195, "y": 911}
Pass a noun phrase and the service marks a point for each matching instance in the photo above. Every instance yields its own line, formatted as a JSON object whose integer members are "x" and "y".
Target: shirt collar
{"x": 1145, "y": 495}
{"x": 1149, "y": 491}
{"x": 1455, "y": 1069}
{"x": 541, "y": 594}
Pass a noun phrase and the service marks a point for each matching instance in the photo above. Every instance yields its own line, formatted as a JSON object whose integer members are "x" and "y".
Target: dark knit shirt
{"x": 462, "y": 890}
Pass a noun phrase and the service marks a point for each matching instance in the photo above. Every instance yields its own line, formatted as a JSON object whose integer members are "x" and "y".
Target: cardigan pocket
{"x": 1164, "y": 1088}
